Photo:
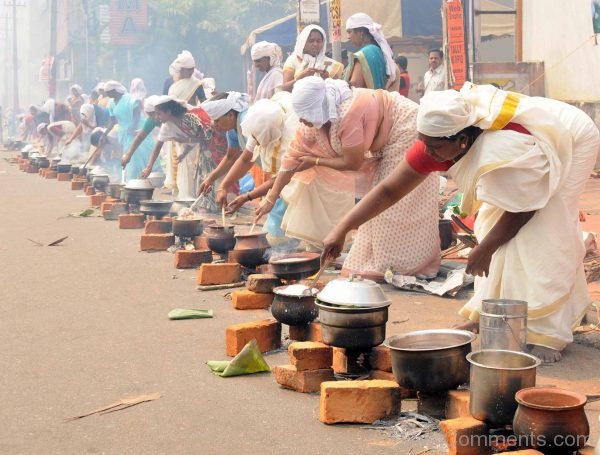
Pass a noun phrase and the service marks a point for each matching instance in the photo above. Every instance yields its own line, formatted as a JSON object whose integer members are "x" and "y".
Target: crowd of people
{"x": 335, "y": 148}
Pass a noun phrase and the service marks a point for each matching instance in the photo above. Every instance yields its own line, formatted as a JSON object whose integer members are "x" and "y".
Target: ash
{"x": 408, "y": 426}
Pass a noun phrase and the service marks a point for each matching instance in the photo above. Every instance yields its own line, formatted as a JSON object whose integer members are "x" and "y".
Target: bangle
{"x": 317, "y": 161}
{"x": 269, "y": 200}
{"x": 221, "y": 189}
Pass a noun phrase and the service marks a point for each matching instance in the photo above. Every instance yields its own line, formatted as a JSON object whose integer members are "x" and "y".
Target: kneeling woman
{"x": 348, "y": 130}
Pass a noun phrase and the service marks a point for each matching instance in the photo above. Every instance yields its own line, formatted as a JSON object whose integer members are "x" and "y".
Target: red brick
{"x": 462, "y": 436}
{"x": 309, "y": 332}
{"x": 185, "y": 259}
{"x": 114, "y": 199}
{"x": 105, "y": 207}
{"x": 50, "y": 174}
{"x": 156, "y": 242}
{"x": 340, "y": 360}
{"x": 223, "y": 273}
{"x": 201, "y": 243}
{"x": 158, "y": 227}
{"x": 404, "y": 393}
{"x": 97, "y": 199}
{"x": 64, "y": 177}
{"x": 131, "y": 221}
{"x": 457, "y": 404}
{"x": 31, "y": 169}
{"x": 262, "y": 282}
{"x": 40, "y": 171}
{"x": 89, "y": 190}
{"x": 76, "y": 185}
{"x": 381, "y": 359}
{"x": 358, "y": 401}
{"x": 266, "y": 332}
{"x": 248, "y": 300}
{"x": 309, "y": 381}
{"x": 310, "y": 355}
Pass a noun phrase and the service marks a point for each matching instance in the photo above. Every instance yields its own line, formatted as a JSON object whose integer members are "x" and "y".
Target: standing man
{"x": 435, "y": 78}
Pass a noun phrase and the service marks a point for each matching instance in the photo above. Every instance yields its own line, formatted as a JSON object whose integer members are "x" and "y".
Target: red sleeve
{"x": 423, "y": 163}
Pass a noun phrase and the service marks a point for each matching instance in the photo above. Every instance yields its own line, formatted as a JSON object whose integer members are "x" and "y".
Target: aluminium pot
{"x": 353, "y": 291}
{"x": 295, "y": 266}
{"x": 496, "y": 375}
{"x": 219, "y": 238}
{"x": 24, "y": 154}
{"x": 157, "y": 208}
{"x": 352, "y": 328}
{"x": 100, "y": 182}
{"x": 431, "y": 361}
{"x": 294, "y": 308}
{"x": 551, "y": 420}
{"x": 43, "y": 162}
{"x": 114, "y": 189}
{"x": 134, "y": 196}
{"x": 63, "y": 168}
{"x": 188, "y": 228}
{"x": 75, "y": 170}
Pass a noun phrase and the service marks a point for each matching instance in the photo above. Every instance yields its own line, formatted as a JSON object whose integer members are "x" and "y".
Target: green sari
{"x": 372, "y": 63}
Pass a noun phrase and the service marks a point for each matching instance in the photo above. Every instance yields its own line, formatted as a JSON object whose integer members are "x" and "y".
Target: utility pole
{"x": 15, "y": 58}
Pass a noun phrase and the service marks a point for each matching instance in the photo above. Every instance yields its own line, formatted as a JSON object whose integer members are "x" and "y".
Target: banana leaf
{"x": 181, "y": 313}
{"x": 248, "y": 361}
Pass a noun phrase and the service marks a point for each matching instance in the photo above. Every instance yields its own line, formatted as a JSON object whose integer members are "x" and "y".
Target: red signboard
{"x": 127, "y": 19}
{"x": 457, "y": 52}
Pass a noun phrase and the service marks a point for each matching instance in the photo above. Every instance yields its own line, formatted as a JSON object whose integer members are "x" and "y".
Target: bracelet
{"x": 317, "y": 161}
{"x": 221, "y": 189}
{"x": 269, "y": 200}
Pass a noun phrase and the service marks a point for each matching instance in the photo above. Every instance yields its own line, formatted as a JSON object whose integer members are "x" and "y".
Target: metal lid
{"x": 139, "y": 184}
{"x": 354, "y": 291}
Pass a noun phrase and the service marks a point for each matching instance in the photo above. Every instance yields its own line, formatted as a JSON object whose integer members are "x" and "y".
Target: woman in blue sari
{"x": 125, "y": 110}
{"x": 373, "y": 65}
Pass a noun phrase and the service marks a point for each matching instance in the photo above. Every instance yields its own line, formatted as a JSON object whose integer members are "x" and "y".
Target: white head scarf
{"x": 266, "y": 49}
{"x": 162, "y": 99}
{"x": 41, "y": 127}
{"x": 444, "y": 113}
{"x": 218, "y": 108}
{"x": 364, "y": 20}
{"x": 185, "y": 60}
{"x": 149, "y": 104}
{"x": 137, "y": 89}
{"x": 99, "y": 86}
{"x": 265, "y": 122}
{"x": 114, "y": 85}
{"x": 88, "y": 113}
{"x": 316, "y": 100}
{"x": 301, "y": 42}
{"x": 77, "y": 89}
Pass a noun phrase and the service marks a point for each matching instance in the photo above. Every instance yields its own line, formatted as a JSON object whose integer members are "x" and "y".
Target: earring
{"x": 463, "y": 146}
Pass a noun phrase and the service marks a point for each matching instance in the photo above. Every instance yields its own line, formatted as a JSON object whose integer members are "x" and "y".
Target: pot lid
{"x": 156, "y": 175}
{"x": 354, "y": 291}
{"x": 139, "y": 184}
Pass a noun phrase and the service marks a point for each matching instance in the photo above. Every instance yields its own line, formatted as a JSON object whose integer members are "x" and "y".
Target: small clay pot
{"x": 551, "y": 420}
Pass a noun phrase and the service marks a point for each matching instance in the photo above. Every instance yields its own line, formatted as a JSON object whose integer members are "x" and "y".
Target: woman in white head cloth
{"x": 522, "y": 164}
{"x": 75, "y": 100}
{"x": 137, "y": 88}
{"x": 126, "y": 111}
{"x": 227, "y": 111}
{"x": 267, "y": 59}
{"x": 348, "y": 130}
{"x": 270, "y": 126}
{"x": 373, "y": 65}
{"x": 60, "y": 131}
{"x": 308, "y": 58}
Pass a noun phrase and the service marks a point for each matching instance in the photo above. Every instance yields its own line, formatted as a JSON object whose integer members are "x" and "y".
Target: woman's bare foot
{"x": 546, "y": 355}
{"x": 470, "y": 326}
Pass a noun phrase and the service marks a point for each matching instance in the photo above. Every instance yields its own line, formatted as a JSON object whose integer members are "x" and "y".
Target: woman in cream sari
{"x": 521, "y": 163}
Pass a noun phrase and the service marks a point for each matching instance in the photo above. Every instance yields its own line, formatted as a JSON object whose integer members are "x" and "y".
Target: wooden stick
{"x": 214, "y": 287}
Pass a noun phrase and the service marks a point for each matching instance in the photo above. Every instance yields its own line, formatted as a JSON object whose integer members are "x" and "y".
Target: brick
{"x": 248, "y": 300}
{"x": 31, "y": 169}
{"x": 40, "y": 171}
{"x": 262, "y": 282}
{"x": 266, "y": 332}
{"x": 457, "y": 404}
{"x": 97, "y": 199}
{"x": 309, "y": 381}
{"x": 308, "y": 332}
{"x": 76, "y": 185}
{"x": 358, "y": 401}
{"x": 89, "y": 190}
{"x": 113, "y": 199}
{"x": 105, "y": 207}
{"x": 156, "y": 242}
{"x": 223, "y": 273}
{"x": 131, "y": 221}
{"x": 159, "y": 227}
{"x": 64, "y": 177}
{"x": 50, "y": 174}
{"x": 404, "y": 393}
{"x": 380, "y": 358}
{"x": 200, "y": 243}
{"x": 310, "y": 355}
{"x": 460, "y": 434}
{"x": 185, "y": 259}
{"x": 432, "y": 405}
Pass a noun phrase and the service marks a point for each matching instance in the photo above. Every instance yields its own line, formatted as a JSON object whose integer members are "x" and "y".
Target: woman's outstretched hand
{"x": 333, "y": 245}
{"x": 263, "y": 209}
